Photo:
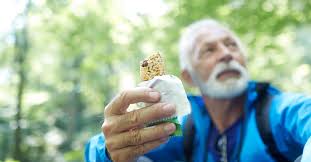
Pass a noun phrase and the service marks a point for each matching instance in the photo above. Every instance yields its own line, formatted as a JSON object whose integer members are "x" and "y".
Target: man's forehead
{"x": 209, "y": 35}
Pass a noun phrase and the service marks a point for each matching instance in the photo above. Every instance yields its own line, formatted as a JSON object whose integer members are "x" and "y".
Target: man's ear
{"x": 187, "y": 77}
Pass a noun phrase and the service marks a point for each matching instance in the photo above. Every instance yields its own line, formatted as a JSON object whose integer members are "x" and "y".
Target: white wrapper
{"x": 171, "y": 90}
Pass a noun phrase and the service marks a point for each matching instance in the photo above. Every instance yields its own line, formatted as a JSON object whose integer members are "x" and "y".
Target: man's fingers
{"x": 139, "y": 94}
{"x": 133, "y": 152}
{"x": 140, "y": 136}
{"x": 137, "y": 118}
{"x": 142, "y": 116}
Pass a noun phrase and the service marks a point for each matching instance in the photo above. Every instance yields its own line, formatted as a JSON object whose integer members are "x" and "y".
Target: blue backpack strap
{"x": 262, "y": 106}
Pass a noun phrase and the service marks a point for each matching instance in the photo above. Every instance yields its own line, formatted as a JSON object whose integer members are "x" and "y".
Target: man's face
{"x": 219, "y": 63}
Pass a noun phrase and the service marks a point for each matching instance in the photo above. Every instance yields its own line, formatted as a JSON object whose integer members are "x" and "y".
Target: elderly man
{"x": 234, "y": 120}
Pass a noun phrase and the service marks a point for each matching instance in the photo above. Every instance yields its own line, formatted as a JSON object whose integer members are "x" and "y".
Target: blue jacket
{"x": 290, "y": 119}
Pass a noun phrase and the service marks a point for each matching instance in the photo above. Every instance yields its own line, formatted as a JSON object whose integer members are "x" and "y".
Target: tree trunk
{"x": 18, "y": 117}
{"x": 21, "y": 48}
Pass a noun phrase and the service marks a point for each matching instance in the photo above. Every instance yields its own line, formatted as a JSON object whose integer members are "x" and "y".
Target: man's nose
{"x": 226, "y": 55}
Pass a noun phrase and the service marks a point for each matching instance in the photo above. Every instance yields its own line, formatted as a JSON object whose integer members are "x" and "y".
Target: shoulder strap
{"x": 188, "y": 138}
{"x": 262, "y": 106}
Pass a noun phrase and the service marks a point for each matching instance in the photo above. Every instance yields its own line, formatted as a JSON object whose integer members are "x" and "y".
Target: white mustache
{"x": 229, "y": 88}
{"x": 232, "y": 65}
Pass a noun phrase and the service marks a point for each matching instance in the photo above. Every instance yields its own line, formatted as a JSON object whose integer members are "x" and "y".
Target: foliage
{"x": 81, "y": 54}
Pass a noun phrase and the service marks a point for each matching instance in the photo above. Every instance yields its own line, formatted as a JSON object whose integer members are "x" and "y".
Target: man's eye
{"x": 209, "y": 50}
{"x": 231, "y": 44}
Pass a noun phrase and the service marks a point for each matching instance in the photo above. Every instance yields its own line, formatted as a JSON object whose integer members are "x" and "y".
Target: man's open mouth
{"x": 229, "y": 73}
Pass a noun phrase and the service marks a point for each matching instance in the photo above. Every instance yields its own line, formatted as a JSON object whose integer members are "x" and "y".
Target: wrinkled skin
{"x": 126, "y": 138}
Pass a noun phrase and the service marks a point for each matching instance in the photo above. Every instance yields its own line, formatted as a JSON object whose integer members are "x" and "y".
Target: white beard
{"x": 227, "y": 89}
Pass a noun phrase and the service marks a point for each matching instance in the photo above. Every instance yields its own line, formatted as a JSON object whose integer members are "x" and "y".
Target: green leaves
{"x": 80, "y": 51}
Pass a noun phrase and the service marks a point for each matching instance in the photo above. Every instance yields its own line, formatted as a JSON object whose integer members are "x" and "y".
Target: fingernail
{"x": 169, "y": 108}
{"x": 154, "y": 95}
{"x": 170, "y": 128}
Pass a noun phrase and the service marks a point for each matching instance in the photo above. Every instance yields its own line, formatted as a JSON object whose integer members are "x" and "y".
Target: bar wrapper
{"x": 172, "y": 91}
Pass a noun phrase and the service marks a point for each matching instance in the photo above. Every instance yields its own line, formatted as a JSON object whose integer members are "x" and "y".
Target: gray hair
{"x": 189, "y": 36}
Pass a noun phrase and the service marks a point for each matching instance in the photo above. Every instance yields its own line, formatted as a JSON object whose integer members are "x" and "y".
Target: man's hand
{"x": 126, "y": 139}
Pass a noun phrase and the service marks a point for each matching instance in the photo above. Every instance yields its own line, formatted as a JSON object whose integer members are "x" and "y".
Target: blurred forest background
{"x": 61, "y": 61}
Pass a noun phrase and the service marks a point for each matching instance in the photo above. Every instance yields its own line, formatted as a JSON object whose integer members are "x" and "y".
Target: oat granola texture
{"x": 151, "y": 67}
